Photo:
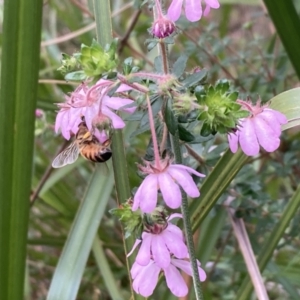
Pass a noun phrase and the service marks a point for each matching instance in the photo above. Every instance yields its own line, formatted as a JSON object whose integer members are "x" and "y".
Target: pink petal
{"x": 74, "y": 118}
{"x": 175, "y": 215}
{"x": 175, "y": 281}
{"x": 206, "y": 10}
{"x": 186, "y": 181}
{"x": 100, "y": 135}
{"x": 193, "y": 10}
{"x": 146, "y": 195}
{"x": 160, "y": 252}
{"x": 117, "y": 122}
{"x": 117, "y": 103}
{"x": 174, "y": 10}
{"x": 274, "y": 119}
{"x": 175, "y": 244}
{"x": 213, "y": 3}
{"x": 146, "y": 279}
{"x": 279, "y": 116}
{"x": 89, "y": 114}
{"x": 74, "y": 127}
{"x": 187, "y": 268}
{"x": 170, "y": 190}
{"x": 266, "y": 136}
{"x": 136, "y": 243}
{"x": 186, "y": 168}
{"x": 144, "y": 254}
{"x": 184, "y": 265}
{"x": 104, "y": 82}
{"x": 174, "y": 230}
{"x": 58, "y": 120}
{"x": 124, "y": 88}
{"x": 135, "y": 270}
{"x": 233, "y": 141}
{"x": 248, "y": 139}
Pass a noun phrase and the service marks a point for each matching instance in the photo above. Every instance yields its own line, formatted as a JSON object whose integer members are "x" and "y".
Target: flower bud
{"x": 162, "y": 27}
{"x": 220, "y": 112}
{"x": 39, "y": 113}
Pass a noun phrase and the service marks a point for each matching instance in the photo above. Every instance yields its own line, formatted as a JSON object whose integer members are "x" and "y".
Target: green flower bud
{"x": 220, "y": 112}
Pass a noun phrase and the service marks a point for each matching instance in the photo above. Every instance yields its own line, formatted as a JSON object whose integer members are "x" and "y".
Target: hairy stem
{"x": 187, "y": 222}
{"x": 184, "y": 206}
{"x": 104, "y": 36}
{"x": 153, "y": 134}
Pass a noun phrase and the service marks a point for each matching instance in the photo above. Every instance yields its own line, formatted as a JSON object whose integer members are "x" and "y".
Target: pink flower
{"x": 145, "y": 277}
{"x": 261, "y": 128}
{"x": 193, "y": 9}
{"x": 167, "y": 178}
{"x": 160, "y": 245}
{"x": 93, "y": 103}
{"x": 39, "y": 113}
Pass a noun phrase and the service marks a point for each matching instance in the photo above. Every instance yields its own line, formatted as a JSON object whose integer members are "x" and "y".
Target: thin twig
{"x": 83, "y": 8}
{"x": 80, "y": 31}
{"x": 43, "y": 180}
{"x": 125, "y": 38}
{"x": 54, "y": 81}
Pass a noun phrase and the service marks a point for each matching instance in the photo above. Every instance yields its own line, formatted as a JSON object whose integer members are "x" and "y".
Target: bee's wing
{"x": 66, "y": 157}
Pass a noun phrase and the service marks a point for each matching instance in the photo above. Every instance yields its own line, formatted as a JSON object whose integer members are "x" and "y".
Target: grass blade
{"x": 287, "y": 23}
{"x": 19, "y": 77}
{"x": 68, "y": 273}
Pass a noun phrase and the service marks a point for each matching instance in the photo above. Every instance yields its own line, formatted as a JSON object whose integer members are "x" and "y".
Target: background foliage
{"x": 238, "y": 42}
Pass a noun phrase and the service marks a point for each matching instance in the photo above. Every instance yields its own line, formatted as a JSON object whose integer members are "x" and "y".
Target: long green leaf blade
{"x": 105, "y": 270}
{"x": 70, "y": 268}
{"x": 287, "y": 23}
{"x": 19, "y": 77}
{"x": 271, "y": 244}
{"x": 215, "y": 184}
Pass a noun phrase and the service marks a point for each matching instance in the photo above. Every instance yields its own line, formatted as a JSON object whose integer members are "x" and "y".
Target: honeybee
{"x": 87, "y": 145}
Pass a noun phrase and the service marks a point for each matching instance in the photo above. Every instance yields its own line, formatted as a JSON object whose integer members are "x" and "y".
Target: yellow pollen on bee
{"x": 86, "y": 135}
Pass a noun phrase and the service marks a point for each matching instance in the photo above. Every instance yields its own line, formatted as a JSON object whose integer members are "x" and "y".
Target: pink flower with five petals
{"x": 193, "y": 9}
{"x": 261, "y": 128}
{"x": 168, "y": 178}
{"x": 160, "y": 245}
{"x": 93, "y": 103}
{"x": 145, "y": 277}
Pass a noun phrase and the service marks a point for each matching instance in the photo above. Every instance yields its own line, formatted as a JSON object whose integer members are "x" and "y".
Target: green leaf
{"x": 169, "y": 117}
{"x": 179, "y": 65}
{"x": 215, "y": 185}
{"x": 288, "y": 103}
{"x": 105, "y": 270}
{"x": 184, "y": 134}
{"x": 271, "y": 243}
{"x": 195, "y": 78}
{"x": 287, "y": 23}
{"x": 210, "y": 232}
{"x": 71, "y": 265}
{"x": 76, "y": 76}
{"x": 19, "y": 78}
